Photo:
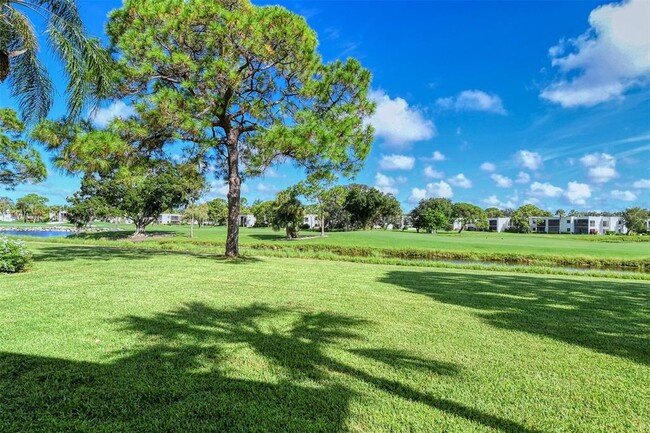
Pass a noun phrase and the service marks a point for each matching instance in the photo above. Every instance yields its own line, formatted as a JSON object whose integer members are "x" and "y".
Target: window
{"x": 592, "y": 223}
{"x": 568, "y": 221}
{"x": 568, "y": 230}
{"x": 605, "y": 223}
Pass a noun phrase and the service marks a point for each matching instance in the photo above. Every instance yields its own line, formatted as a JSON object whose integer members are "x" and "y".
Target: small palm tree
{"x": 86, "y": 63}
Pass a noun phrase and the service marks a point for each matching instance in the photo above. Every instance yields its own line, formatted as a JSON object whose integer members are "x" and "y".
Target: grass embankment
{"x": 101, "y": 339}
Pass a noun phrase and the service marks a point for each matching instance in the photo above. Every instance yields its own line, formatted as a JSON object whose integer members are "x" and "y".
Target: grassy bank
{"x": 100, "y": 339}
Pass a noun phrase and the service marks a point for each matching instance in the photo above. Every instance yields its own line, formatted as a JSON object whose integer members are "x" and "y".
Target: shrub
{"x": 305, "y": 226}
{"x": 14, "y": 257}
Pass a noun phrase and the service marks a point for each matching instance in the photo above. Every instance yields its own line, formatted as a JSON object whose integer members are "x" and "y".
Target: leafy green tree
{"x": 636, "y": 219}
{"x": 520, "y": 217}
{"x": 32, "y": 205}
{"x": 143, "y": 193}
{"x": 19, "y": 162}
{"x": 288, "y": 213}
{"x": 218, "y": 211}
{"x": 561, "y": 213}
{"x": 87, "y": 65}
{"x": 245, "y": 82}
{"x": 334, "y": 210}
{"x": 6, "y": 204}
{"x": 468, "y": 213}
{"x": 87, "y": 204}
{"x": 263, "y": 211}
{"x": 493, "y": 212}
{"x": 390, "y": 212}
{"x": 364, "y": 204}
{"x": 433, "y": 220}
{"x": 196, "y": 212}
{"x": 442, "y": 206}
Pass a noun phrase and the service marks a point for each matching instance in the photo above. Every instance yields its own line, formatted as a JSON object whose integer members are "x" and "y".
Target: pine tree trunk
{"x": 234, "y": 194}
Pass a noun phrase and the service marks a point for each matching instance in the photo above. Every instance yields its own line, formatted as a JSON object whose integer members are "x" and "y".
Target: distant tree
{"x": 334, "y": 201}
{"x": 468, "y": 213}
{"x": 86, "y": 64}
{"x": 87, "y": 205}
{"x": 6, "y": 204}
{"x": 218, "y": 211}
{"x": 288, "y": 213}
{"x": 196, "y": 212}
{"x": 636, "y": 219}
{"x": 493, "y": 212}
{"x": 369, "y": 206}
{"x": 245, "y": 82}
{"x": 19, "y": 161}
{"x": 561, "y": 213}
{"x": 263, "y": 211}
{"x": 32, "y": 205}
{"x": 520, "y": 217}
{"x": 507, "y": 212}
{"x": 316, "y": 188}
{"x": 432, "y": 220}
{"x": 423, "y": 212}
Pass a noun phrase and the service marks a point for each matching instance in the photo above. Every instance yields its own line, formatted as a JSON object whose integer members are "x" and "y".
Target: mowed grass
{"x": 103, "y": 340}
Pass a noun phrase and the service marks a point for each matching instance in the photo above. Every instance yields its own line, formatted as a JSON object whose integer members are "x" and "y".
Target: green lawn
{"x": 98, "y": 339}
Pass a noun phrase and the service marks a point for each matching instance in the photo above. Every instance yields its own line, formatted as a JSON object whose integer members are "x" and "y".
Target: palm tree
{"x": 86, "y": 63}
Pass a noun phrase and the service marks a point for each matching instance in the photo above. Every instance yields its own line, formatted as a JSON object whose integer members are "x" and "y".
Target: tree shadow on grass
{"x": 610, "y": 317}
{"x": 62, "y": 252}
{"x": 190, "y": 374}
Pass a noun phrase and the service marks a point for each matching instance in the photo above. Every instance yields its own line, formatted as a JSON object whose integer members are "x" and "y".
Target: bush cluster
{"x": 14, "y": 256}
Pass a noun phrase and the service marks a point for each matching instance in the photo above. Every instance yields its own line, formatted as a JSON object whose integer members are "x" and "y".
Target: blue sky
{"x": 495, "y": 103}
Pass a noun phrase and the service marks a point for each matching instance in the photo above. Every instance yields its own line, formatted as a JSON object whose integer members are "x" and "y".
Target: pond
{"x": 35, "y": 233}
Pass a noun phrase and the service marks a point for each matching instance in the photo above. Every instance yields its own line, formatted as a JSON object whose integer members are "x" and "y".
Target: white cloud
{"x": 438, "y": 156}
{"x": 101, "y": 117}
{"x": 473, "y": 100}
{"x": 398, "y": 124}
{"x": 642, "y": 183}
{"x": 522, "y": 177}
{"x": 440, "y": 189}
{"x": 623, "y": 195}
{"x": 602, "y": 167}
{"x": 460, "y": 181}
{"x": 529, "y": 160}
{"x": 417, "y": 194}
{"x": 488, "y": 166}
{"x": 502, "y": 181}
{"x": 545, "y": 190}
{"x": 432, "y": 173}
{"x": 492, "y": 201}
{"x": 386, "y": 184}
{"x": 610, "y": 58}
{"x": 396, "y": 162}
{"x": 263, "y": 187}
{"x": 577, "y": 193}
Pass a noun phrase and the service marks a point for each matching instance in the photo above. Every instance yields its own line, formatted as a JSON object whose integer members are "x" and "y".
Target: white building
{"x": 582, "y": 225}
{"x": 170, "y": 218}
{"x": 7, "y": 217}
{"x": 311, "y": 220}
{"x": 247, "y": 220}
{"x": 498, "y": 224}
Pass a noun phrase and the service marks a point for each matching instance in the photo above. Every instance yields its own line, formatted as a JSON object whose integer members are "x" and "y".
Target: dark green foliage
{"x": 367, "y": 206}
{"x": 19, "y": 161}
{"x": 432, "y": 214}
{"x": 288, "y": 213}
{"x": 87, "y": 204}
